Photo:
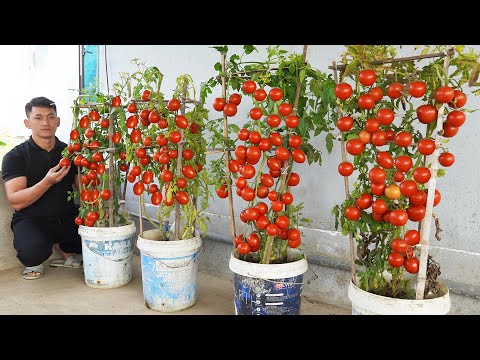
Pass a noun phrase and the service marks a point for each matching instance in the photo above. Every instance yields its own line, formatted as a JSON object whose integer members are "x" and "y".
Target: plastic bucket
{"x": 268, "y": 289}
{"x": 365, "y": 303}
{"x": 107, "y": 255}
{"x": 169, "y": 271}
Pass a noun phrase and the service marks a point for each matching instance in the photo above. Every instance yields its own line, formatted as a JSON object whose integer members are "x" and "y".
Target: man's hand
{"x": 56, "y": 174}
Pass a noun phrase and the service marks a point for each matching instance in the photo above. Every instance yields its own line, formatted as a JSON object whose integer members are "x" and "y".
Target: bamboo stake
{"x": 449, "y": 52}
{"x": 140, "y": 213}
{"x": 179, "y": 166}
{"x": 227, "y": 157}
{"x": 346, "y": 185}
{"x": 426, "y": 222}
{"x": 111, "y": 172}
{"x": 289, "y": 163}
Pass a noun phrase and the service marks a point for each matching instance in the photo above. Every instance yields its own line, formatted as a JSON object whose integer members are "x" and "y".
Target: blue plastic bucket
{"x": 268, "y": 289}
{"x": 169, "y": 271}
{"x": 107, "y": 255}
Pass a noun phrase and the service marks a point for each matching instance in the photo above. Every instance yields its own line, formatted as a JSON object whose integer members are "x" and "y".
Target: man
{"x": 36, "y": 187}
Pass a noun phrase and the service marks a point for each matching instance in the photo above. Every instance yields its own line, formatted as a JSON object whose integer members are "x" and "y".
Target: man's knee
{"x": 31, "y": 256}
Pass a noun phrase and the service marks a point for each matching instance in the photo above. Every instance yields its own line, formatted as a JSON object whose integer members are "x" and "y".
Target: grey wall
{"x": 322, "y": 187}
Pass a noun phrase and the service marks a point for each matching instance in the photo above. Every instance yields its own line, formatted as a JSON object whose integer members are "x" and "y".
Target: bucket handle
{"x": 314, "y": 277}
{"x": 178, "y": 267}
{"x": 117, "y": 260}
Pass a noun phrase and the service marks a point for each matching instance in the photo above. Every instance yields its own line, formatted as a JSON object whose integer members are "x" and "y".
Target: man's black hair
{"x": 40, "y": 101}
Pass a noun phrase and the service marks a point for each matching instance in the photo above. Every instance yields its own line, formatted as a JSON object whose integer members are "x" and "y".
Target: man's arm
{"x": 20, "y": 196}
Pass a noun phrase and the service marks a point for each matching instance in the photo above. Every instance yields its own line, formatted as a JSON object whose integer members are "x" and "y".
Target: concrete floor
{"x": 62, "y": 291}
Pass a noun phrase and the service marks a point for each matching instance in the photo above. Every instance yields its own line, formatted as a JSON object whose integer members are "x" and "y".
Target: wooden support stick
{"x": 426, "y": 222}
{"x": 346, "y": 185}
{"x": 111, "y": 172}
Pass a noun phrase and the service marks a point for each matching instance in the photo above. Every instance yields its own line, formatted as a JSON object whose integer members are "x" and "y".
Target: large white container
{"x": 365, "y": 303}
{"x": 107, "y": 255}
{"x": 169, "y": 271}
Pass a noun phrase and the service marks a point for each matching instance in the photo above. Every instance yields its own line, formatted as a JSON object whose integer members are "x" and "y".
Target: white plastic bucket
{"x": 169, "y": 271}
{"x": 268, "y": 289}
{"x": 365, "y": 303}
{"x": 107, "y": 255}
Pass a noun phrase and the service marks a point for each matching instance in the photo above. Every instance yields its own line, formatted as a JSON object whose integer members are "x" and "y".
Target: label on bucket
{"x": 267, "y": 297}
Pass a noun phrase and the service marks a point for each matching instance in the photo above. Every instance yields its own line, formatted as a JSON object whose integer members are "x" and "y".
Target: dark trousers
{"x": 33, "y": 238}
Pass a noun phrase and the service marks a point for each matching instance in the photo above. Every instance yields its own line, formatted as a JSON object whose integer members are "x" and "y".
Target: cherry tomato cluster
{"x": 264, "y": 144}
{"x": 396, "y": 183}
{"x": 160, "y": 147}
{"x": 87, "y": 147}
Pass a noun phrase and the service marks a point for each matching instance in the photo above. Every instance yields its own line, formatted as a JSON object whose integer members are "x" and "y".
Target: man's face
{"x": 43, "y": 122}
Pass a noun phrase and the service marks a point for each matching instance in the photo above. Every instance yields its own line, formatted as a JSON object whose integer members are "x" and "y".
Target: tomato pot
{"x": 365, "y": 303}
{"x": 268, "y": 289}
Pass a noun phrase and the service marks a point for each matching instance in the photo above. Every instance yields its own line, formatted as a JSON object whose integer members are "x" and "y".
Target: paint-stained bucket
{"x": 268, "y": 289}
{"x": 107, "y": 255}
{"x": 169, "y": 271}
{"x": 365, "y": 303}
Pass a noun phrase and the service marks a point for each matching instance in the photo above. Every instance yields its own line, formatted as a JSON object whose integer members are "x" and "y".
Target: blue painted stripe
{"x": 172, "y": 258}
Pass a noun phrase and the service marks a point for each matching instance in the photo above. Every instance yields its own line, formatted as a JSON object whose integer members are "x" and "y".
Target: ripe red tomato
{"x": 287, "y": 198}
{"x": 230, "y": 109}
{"x": 147, "y": 177}
{"x": 376, "y": 93}
{"x": 277, "y": 205}
{"x": 78, "y": 221}
{"x": 421, "y": 175}
{"x": 254, "y": 241}
{"x": 412, "y": 237}
{"x": 384, "y": 159}
{"x": 352, "y": 213}
{"x": 156, "y": 198}
{"x": 426, "y": 146}
{"x": 379, "y": 207}
{"x": 276, "y": 139}
{"x": 364, "y": 136}
{"x": 219, "y": 104}
{"x": 294, "y": 235}
{"x": 189, "y": 172}
{"x": 298, "y": 156}
{"x": 254, "y": 137}
{"x": 456, "y": 118}
{"x": 449, "y": 131}
{"x": 371, "y": 125}
{"x": 265, "y": 144}
{"x": 84, "y": 122}
{"x": 343, "y": 91}
{"x": 153, "y": 117}
{"x": 418, "y": 197}
{"x": 105, "y": 194}
{"x": 173, "y": 104}
{"x": 366, "y": 102}
{"x": 367, "y": 77}
{"x": 292, "y": 121}
{"x": 399, "y": 176}
{"x": 116, "y": 101}
{"x": 395, "y": 259}
{"x": 104, "y": 123}
{"x": 377, "y": 175}
{"x": 146, "y": 95}
{"x": 136, "y": 136}
{"x": 403, "y": 139}
{"x": 132, "y": 108}
{"x": 249, "y": 86}
{"x": 256, "y": 113}
{"x": 417, "y": 89}
{"x": 181, "y": 121}
{"x": 355, "y": 146}
{"x": 416, "y": 212}
{"x": 444, "y": 94}
{"x": 74, "y": 134}
{"x": 138, "y": 188}
{"x": 285, "y": 109}
{"x": 459, "y": 99}
{"x": 408, "y": 187}
{"x": 446, "y": 159}
{"x": 412, "y": 265}
{"x": 175, "y": 137}
{"x": 260, "y": 94}
{"x": 403, "y": 163}
{"x": 345, "y": 168}
{"x": 436, "y": 198}
{"x": 427, "y": 114}
{"x": 294, "y": 179}
{"x": 97, "y": 157}
{"x": 364, "y": 201}
{"x": 395, "y": 90}
{"x": 385, "y": 116}
{"x": 152, "y": 188}
{"x": 273, "y": 120}
{"x": 182, "y": 197}
{"x": 235, "y": 99}
{"x": 282, "y": 222}
{"x": 399, "y": 245}
{"x": 116, "y": 137}
{"x": 275, "y": 94}
{"x": 166, "y": 176}
{"x": 379, "y": 138}
{"x": 243, "y": 134}
{"x": 64, "y": 162}
{"x": 345, "y": 123}
{"x": 243, "y": 248}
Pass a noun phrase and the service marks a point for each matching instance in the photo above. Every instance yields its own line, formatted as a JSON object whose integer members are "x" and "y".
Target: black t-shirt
{"x": 30, "y": 160}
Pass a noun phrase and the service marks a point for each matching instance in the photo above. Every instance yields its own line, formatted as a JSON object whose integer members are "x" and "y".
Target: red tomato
{"x": 412, "y": 265}
{"x": 399, "y": 176}
{"x": 418, "y": 197}
{"x": 260, "y": 94}
{"x": 345, "y": 168}
{"x": 376, "y": 93}
{"x": 282, "y": 222}
{"x": 421, "y": 175}
{"x": 132, "y": 108}
{"x": 116, "y": 101}
{"x": 235, "y": 99}
{"x": 175, "y": 137}
{"x": 408, "y": 187}
{"x": 275, "y": 94}
{"x": 294, "y": 179}
{"x": 116, "y": 137}
{"x": 426, "y": 146}
{"x": 384, "y": 159}
{"x": 403, "y": 163}
{"x": 379, "y": 207}
{"x": 399, "y": 245}
{"x": 395, "y": 90}
{"x": 146, "y": 95}
{"x": 287, "y": 198}
{"x": 136, "y": 136}
{"x": 395, "y": 259}
{"x": 64, "y": 162}
{"x": 285, "y": 109}
{"x": 367, "y": 77}
{"x": 412, "y": 237}
{"x": 456, "y": 118}
{"x": 459, "y": 99}
{"x": 366, "y": 102}
{"x": 343, "y": 91}
{"x": 444, "y": 94}
{"x": 372, "y": 125}
{"x": 364, "y": 202}
{"x": 230, "y": 109}
{"x": 189, "y": 172}
{"x": 254, "y": 241}
{"x": 256, "y": 113}
{"x": 156, "y": 198}
{"x": 446, "y": 159}
{"x": 379, "y": 138}
{"x": 416, "y": 212}
{"x": 292, "y": 121}
{"x": 403, "y": 139}
{"x": 385, "y": 116}
{"x": 173, "y": 104}
{"x": 352, "y": 213}
{"x": 105, "y": 194}
{"x": 355, "y": 146}
{"x": 265, "y": 144}
{"x": 181, "y": 121}
{"x": 243, "y": 248}
{"x": 377, "y": 175}
{"x": 182, "y": 197}
{"x": 78, "y": 221}
{"x": 276, "y": 139}
{"x": 298, "y": 156}
{"x": 219, "y": 104}
{"x": 417, "y": 89}
{"x": 449, "y": 131}
{"x": 427, "y": 114}
{"x": 249, "y": 87}
{"x": 345, "y": 123}
{"x": 272, "y": 230}
{"x": 138, "y": 188}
